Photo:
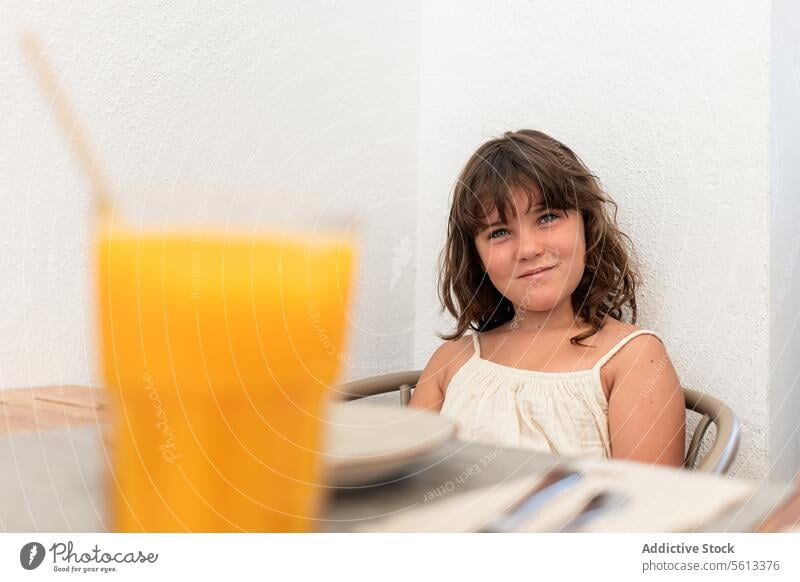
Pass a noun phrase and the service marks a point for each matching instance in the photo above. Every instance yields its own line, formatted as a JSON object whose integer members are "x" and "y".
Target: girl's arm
{"x": 429, "y": 393}
{"x": 646, "y": 410}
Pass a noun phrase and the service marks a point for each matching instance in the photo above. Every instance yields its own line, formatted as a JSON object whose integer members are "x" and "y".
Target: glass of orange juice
{"x": 219, "y": 346}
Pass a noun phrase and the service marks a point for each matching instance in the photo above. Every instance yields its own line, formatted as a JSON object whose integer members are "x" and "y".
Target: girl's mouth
{"x": 536, "y": 274}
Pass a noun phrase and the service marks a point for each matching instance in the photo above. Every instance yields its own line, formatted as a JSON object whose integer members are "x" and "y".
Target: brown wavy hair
{"x": 533, "y": 162}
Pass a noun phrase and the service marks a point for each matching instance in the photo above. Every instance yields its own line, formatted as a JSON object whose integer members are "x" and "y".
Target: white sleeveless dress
{"x": 563, "y": 413}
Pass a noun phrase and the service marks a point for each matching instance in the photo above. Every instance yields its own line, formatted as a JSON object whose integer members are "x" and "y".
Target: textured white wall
{"x": 785, "y": 242}
{"x": 668, "y": 103}
{"x": 280, "y": 98}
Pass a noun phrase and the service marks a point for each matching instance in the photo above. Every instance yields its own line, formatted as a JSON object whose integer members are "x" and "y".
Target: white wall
{"x": 312, "y": 101}
{"x": 668, "y": 103}
{"x": 785, "y": 242}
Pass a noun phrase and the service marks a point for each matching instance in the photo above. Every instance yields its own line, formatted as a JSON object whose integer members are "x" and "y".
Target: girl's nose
{"x": 530, "y": 247}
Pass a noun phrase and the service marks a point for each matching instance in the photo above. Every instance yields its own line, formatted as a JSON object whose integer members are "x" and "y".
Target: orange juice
{"x": 219, "y": 351}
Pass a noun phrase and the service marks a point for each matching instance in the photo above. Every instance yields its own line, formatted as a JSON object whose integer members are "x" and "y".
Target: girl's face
{"x": 536, "y": 260}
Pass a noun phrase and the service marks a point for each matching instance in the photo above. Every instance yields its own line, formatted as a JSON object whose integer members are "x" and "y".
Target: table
{"x": 57, "y": 484}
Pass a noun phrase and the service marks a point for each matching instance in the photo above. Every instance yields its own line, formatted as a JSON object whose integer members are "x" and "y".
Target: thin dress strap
{"x": 476, "y": 344}
{"x": 613, "y": 351}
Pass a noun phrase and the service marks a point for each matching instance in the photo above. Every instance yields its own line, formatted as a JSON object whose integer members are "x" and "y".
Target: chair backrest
{"x": 718, "y": 459}
{"x": 722, "y": 453}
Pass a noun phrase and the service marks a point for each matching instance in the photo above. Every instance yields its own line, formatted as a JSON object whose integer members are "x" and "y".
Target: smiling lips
{"x": 535, "y": 273}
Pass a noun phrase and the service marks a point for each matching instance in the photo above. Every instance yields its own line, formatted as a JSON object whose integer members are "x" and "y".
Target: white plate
{"x": 368, "y": 442}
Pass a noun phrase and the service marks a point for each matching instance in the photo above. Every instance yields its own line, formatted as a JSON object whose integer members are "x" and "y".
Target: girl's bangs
{"x": 496, "y": 193}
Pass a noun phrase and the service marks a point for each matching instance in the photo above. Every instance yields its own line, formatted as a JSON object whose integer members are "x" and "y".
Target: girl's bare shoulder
{"x": 643, "y": 348}
{"x": 448, "y": 358}
{"x": 613, "y": 332}
{"x": 445, "y": 361}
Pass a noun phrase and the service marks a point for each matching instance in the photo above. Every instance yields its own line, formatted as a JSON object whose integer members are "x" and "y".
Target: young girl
{"x": 536, "y": 268}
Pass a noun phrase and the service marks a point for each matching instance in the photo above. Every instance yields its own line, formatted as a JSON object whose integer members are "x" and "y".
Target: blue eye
{"x": 494, "y": 233}
{"x": 550, "y": 216}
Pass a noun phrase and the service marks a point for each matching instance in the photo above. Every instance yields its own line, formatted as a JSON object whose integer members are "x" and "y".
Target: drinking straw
{"x": 101, "y": 189}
